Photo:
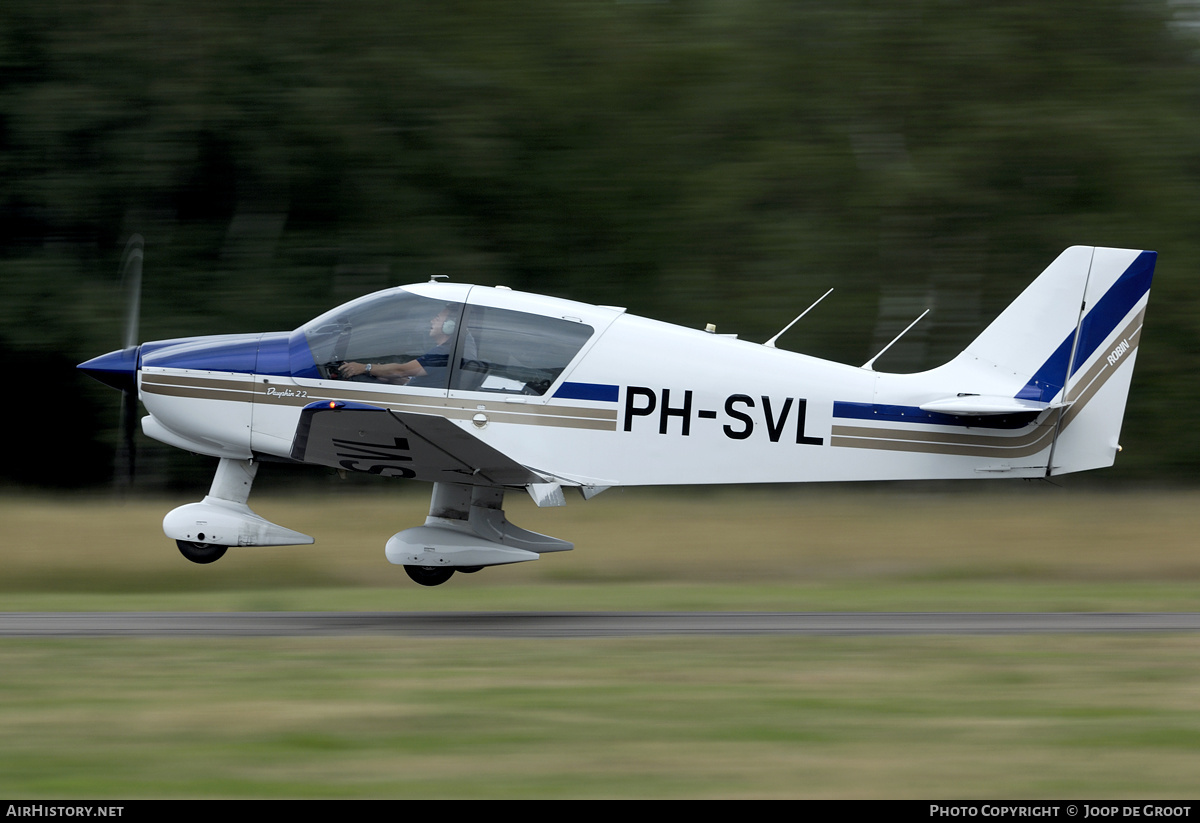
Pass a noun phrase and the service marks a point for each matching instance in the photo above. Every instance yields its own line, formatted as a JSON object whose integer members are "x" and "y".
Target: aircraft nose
{"x": 117, "y": 368}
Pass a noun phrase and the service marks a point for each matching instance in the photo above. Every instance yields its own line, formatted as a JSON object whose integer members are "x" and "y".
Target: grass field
{"x": 925, "y": 717}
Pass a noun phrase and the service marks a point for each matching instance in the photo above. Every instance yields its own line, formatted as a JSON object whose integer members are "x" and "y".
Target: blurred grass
{"x": 1029, "y": 547}
{"x": 902, "y": 717}
{"x": 923, "y": 717}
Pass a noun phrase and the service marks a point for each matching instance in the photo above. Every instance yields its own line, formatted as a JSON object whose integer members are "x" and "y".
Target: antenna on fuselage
{"x": 771, "y": 343}
{"x": 870, "y": 364}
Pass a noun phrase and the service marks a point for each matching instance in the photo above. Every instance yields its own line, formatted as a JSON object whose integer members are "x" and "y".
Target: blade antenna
{"x": 771, "y": 343}
{"x": 870, "y": 364}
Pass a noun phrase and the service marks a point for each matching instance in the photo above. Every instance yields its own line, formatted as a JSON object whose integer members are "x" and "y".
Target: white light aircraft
{"x": 484, "y": 390}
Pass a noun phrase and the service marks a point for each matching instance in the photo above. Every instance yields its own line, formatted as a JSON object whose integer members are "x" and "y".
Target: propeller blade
{"x": 131, "y": 280}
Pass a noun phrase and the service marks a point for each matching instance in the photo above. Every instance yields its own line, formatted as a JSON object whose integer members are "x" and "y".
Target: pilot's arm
{"x": 389, "y": 372}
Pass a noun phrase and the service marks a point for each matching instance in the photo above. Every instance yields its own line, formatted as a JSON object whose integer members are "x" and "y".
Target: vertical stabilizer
{"x": 1067, "y": 345}
{"x": 1029, "y": 345}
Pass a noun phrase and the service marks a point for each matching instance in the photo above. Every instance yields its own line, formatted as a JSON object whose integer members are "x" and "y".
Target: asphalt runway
{"x": 579, "y": 624}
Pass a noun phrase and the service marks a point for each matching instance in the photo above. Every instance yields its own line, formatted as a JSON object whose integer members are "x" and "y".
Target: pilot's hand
{"x": 348, "y": 370}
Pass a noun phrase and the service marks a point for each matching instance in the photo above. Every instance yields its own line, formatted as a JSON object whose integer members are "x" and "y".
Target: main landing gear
{"x": 466, "y": 530}
{"x": 437, "y": 575}
{"x": 430, "y": 575}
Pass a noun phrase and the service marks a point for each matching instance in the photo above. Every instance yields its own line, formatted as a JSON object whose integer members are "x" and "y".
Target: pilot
{"x": 430, "y": 369}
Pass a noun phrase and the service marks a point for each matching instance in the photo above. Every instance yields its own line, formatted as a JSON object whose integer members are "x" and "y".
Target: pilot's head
{"x": 443, "y": 324}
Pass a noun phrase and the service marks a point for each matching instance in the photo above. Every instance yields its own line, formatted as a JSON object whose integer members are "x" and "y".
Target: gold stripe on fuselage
{"x": 997, "y": 446}
{"x": 206, "y": 387}
{"x": 218, "y": 386}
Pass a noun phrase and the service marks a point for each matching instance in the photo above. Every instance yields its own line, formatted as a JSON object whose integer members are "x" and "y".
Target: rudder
{"x": 1105, "y": 348}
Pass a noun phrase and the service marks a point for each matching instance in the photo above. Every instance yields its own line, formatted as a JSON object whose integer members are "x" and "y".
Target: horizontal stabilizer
{"x": 980, "y": 404}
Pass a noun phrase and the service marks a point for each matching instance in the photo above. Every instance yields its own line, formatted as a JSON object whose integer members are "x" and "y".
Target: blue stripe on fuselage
{"x": 588, "y": 391}
{"x": 914, "y": 414}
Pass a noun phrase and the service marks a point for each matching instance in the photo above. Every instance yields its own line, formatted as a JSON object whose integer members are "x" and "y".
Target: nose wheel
{"x": 430, "y": 575}
{"x": 203, "y": 553}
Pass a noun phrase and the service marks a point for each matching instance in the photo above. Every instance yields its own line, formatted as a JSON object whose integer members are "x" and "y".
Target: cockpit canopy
{"x": 459, "y": 345}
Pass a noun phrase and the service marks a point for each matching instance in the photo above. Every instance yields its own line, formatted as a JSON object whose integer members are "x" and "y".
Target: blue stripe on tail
{"x": 1097, "y": 325}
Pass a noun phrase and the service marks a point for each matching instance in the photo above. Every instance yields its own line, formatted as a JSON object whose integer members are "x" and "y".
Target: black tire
{"x": 202, "y": 553}
{"x": 430, "y": 575}
{"x": 468, "y": 569}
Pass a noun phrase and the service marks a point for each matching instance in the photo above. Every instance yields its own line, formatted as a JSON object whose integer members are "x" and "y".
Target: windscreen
{"x": 486, "y": 349}
{"x": 390, "y": 327}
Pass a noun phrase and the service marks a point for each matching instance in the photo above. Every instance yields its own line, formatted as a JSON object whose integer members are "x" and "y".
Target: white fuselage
{"x": 668, "y": 405}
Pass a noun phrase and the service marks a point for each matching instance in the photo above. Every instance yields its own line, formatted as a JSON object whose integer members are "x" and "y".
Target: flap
{"x": 362, "y": 438}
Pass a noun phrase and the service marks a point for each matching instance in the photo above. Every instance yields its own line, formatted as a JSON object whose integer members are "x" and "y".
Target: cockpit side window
{"x": 514, "y": 352}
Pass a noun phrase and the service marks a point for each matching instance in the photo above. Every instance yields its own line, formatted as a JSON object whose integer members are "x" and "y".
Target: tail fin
{"x": 1107, "y": 338}
{"x": 1070, "y": 340}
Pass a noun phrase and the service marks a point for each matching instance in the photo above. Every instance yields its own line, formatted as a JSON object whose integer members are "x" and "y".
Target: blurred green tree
{"x": 710, "y": 161}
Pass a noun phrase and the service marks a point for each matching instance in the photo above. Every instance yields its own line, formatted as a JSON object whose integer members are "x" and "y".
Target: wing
{"x": 363, "y": 438}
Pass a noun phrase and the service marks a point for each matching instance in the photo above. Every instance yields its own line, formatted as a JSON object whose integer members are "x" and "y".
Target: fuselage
{"x": 587, "y": 395}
